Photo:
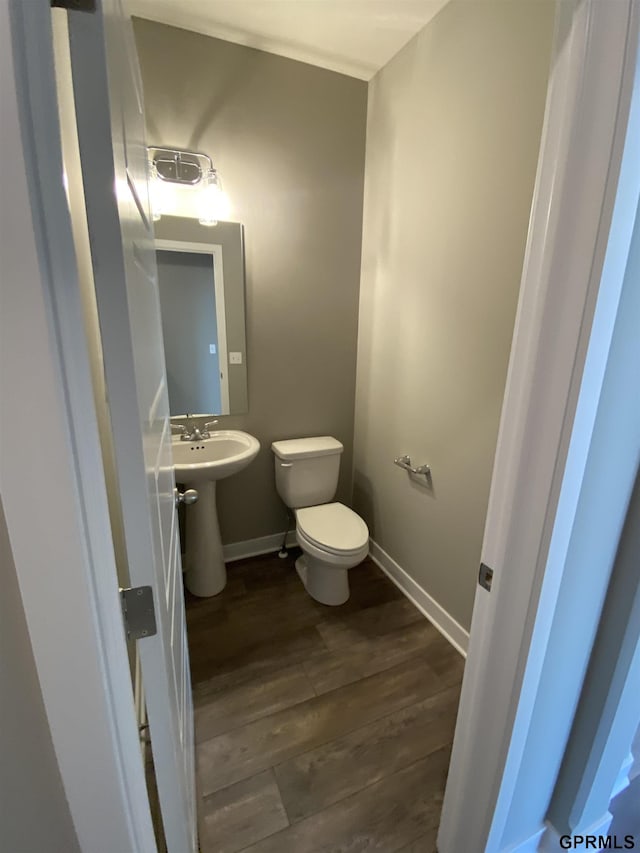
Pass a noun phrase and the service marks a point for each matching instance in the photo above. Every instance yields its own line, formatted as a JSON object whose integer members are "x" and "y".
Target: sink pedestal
{"x": 205, "y": 570}
{"x": 198, "y": 464}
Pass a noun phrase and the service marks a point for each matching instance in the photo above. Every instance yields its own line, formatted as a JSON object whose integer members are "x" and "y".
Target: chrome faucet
{"x": 195, "y": 435}
{"x": 190, "y": 432}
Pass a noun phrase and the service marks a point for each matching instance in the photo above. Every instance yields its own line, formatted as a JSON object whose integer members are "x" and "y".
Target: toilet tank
{"x": 307, "y": 470}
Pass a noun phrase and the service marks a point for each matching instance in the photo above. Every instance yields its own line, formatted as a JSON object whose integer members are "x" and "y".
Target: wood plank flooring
{"x": 318, "y": 729}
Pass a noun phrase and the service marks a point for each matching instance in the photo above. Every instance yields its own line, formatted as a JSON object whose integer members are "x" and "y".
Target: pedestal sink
{"x": 199, "y": 464}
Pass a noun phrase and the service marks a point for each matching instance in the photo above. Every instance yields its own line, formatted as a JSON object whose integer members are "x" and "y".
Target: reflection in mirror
{"x": 192, "y": 305}
{"x": 202, "y": 305}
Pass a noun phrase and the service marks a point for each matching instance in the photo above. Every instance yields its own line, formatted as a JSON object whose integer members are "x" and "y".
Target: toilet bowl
{"x": 333, "y": 538}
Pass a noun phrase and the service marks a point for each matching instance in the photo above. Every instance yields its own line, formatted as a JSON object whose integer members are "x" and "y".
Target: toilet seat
{"x": 332, "y": 528}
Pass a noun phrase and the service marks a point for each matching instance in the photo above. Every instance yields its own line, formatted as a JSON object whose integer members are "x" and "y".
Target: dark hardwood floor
{"x": 318, "y": 729}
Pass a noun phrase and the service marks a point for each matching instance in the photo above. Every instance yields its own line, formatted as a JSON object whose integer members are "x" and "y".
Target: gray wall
{"x": 453, "y": 134}
{"x": 34, "y": 814}
{"x": 288, "y": 139}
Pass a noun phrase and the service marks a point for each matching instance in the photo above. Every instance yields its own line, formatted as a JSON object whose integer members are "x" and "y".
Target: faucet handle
{"x": 181, "y": 428}
{"x": 210, "y": 424}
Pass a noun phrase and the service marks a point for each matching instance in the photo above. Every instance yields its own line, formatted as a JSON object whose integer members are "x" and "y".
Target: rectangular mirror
{"x": 201, "y": 283}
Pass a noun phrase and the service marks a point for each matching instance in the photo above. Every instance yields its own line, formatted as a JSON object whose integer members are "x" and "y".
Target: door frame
{"x": 56, "y": 503}
{"x": 215, "y": 250}
{"x": 578, "y": 243}
{"x": 73, "y": 611}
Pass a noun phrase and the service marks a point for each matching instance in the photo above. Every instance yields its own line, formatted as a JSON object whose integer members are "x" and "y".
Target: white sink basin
{"x": 225, "y": 453}
{"x": 201, "y": 464}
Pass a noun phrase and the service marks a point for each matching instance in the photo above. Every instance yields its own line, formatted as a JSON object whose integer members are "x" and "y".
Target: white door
{"x": 109, "y": 110}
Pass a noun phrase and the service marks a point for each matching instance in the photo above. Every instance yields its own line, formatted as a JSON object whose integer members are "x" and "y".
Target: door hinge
{"x": 75, "y": 5}
{"x": 138, "y": 612}
{"x": 485, "y": 577}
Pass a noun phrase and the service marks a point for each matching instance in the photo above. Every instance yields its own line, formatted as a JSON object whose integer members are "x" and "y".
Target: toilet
{"x": 333, "y": 537}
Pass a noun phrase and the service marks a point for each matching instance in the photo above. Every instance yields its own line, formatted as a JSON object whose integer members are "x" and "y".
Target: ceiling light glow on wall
{"x": 184, "y": 183}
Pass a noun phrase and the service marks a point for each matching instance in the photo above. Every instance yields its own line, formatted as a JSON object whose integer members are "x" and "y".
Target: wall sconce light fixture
{"x": 185, "y": 183}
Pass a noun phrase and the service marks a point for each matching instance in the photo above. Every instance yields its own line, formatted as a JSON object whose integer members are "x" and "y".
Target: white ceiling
{"x": 355, "y": 37}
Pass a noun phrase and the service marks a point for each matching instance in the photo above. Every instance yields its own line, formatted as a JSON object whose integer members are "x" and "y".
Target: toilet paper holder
{"x": 405, "y": 462}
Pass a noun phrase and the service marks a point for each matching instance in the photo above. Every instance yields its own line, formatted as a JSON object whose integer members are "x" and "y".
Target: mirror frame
{"x": 215, "y": 250}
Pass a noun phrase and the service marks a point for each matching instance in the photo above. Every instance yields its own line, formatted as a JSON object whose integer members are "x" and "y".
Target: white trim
{"x": 529, "y": 845}
{"x": 66, "y": 572}
{"x": 186, "y": 246}
{"x": 584, "y": 129}
{"x": 435, "y": 613}
{"x": 215, "y": 250}
{"x": 624, "y": 778}
{"x": 110, "y": 127}
{"x": 428, "y": 606}
{"x": 549, "y": 840}
{"x": 255, "y": 547}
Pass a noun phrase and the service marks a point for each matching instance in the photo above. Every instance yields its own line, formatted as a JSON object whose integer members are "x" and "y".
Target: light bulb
{"x": 213, "y": 202}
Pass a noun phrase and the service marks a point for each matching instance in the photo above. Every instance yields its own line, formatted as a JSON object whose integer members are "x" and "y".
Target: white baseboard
{"x": 435, "y": 613}
{"x": 531, "y": 845}
{"x": 254, "y": 547}
{"x": 624, "y": 777}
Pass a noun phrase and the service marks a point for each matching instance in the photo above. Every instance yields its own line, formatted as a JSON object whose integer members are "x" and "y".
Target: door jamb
{"x": 56, "y": 508}
{"x": 584, "y": 132}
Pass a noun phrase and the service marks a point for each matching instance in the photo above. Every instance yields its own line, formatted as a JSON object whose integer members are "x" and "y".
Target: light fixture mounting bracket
{"x": 180, "y": 167}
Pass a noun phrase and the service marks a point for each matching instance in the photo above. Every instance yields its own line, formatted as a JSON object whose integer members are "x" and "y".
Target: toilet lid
{"x": 333, "y": 526}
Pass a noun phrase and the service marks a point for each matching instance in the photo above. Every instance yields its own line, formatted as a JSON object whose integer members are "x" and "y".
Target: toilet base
{"x": 326, "y": 584}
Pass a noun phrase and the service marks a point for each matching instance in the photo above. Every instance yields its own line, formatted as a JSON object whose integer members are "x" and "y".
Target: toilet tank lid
{"x": 304, "y": 448}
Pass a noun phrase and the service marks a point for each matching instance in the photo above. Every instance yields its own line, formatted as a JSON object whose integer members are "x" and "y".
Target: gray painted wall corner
{"x": 289, "y": 142}
{"x": 454, "y": 123}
